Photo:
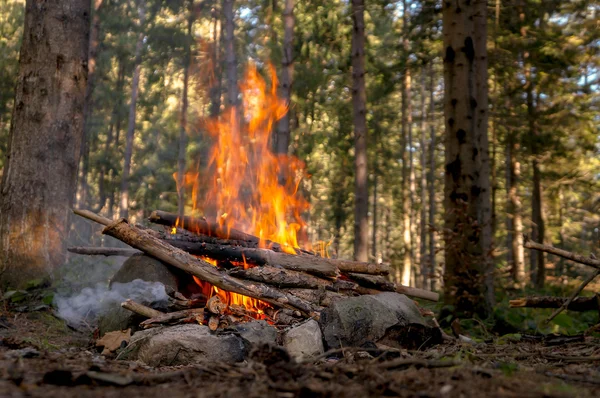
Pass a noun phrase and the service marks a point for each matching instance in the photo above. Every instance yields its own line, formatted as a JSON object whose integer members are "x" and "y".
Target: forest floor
{"x": 41, "y": 357}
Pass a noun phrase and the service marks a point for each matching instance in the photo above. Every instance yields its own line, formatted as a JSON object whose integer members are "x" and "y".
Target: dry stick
{"x": 172, "y": 316}
{"x": 577, "y": 304}
{"x": 104, "y": 251}
{"x": 168, "y": 254}
{"x": 578, "y": 258}
{"x": 380, "y": 283}
{"x": 311, "y": 264}
{"x": 141, "y": 309}
{"x": 574, "y": 295}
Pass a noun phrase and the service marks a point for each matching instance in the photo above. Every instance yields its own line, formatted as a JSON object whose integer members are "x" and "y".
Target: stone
{"x": 304, "y": 340}
{"x": 388, "y": 318}
{"x": 256, "y": 332}
{"x": 141, "y": 267}
{"x": 183, "y": 345}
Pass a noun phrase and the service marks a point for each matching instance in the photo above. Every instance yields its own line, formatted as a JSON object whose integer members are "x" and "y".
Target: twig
{"x": 578, "y": 258}
{"x": 141, "y": 309}
{"x": 573, "y": 296}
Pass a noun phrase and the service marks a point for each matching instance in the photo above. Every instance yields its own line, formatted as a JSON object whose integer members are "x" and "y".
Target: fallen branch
{"x": 104, "y": 251}
{"x": 578, "y": 258}
{"x": 172, "y": 317}
{"x": 574, "y": 295}
{"x": 141, "y": 309}
{"x": 282, "y": 277}
{"x": 380, "y": 283}
{"x": 577, "y": 304}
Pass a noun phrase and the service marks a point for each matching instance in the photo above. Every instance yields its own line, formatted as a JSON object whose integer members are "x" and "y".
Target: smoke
{"x": 85, "y": 307}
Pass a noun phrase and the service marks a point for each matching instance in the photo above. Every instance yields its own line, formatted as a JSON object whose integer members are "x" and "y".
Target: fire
{"x": 251, "y": 188}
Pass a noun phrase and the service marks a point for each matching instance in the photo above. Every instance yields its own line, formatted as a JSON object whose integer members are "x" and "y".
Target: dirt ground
{"x": 41, "y": 357}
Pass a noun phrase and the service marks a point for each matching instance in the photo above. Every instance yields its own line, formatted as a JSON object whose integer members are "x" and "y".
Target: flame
{"x": 251, "y": 188}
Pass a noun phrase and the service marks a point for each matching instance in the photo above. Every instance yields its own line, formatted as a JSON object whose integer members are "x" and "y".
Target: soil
{"x": 41, "y": 356}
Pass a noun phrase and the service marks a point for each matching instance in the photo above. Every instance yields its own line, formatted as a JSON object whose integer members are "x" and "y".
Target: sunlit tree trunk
{"x": 515, "y": 210}
{"x": 230, "y": 58}
{"x": 468, "y": 278}
{"x": 287, "y": 72}
{"x": 359, "y": 104}
{"x": 135, "y": 81}
{"x": 44, "y": 143}
{"x": 183, "y": 117}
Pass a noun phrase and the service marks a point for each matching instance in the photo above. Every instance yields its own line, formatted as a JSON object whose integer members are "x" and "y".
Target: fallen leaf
{"x": 112, "y": 341}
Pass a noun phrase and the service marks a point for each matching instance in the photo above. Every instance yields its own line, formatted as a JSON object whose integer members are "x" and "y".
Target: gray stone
{"x": 141, "y": 267}
{"x": 256, "y": 332}
{"x": 304, "y": 340}
{"x": 183, "y": 345}
{"x": 389, "y": 318}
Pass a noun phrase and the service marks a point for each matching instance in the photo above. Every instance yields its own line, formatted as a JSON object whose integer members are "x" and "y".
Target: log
{"x": 171, "y": 317}
{"x": 578, "y": 258}
{"x": 578, "y": 304}
{"x": 204, "y": 227}
{"x": 321, "y": 297}
{"x": 215, "y": 306}
{"x": 380, "y": 283}
{"x": 281, "y": 277}
{"x": 104, "y": 251}
{"x": 170, "y": 255}
{"x": 141, "y": 309}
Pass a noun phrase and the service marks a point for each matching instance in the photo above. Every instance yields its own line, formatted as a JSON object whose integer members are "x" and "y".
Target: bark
{"x": 515, "y": 209}
{"x": 282, "y": 277}
{"x": 374, "y": 230}
{"x": 183, "y": 119}
{"x": 423, "y": 228}
{"x": 381, "y": 283}
{"x": 578, "y": 304}
{"x": 124, "y": 202}
{"x": 287, "y": 72}
{"x": 359, "y": 106}
{"x": 173, "y": 317}
{"x": 406, "y": 206}
{"x": 44, "y": 143}
{"x": 468, "y": 277}
{"x": 431, "y": 179}
{"x": 230, "y": 56}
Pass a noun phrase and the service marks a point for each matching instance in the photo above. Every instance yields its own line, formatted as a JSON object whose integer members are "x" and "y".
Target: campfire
{"x": 248, "y": 256}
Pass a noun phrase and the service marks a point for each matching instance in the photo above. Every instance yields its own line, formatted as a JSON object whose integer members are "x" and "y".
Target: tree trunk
{"x": 187, "y": 60}
{"x": 135, "y": 81}
{"x": 359, "y": 104}
{"x": 215, "y": 84}
{"x": 431, "y": 182}
{"x": 287, "y": 71}
{"x": 515, "y": 209}
{"x": 406, "y": 205}
{"x": 423, "y": 228}
{"x": 468, "y": 277}
{"x": 230, "y": 58}
{"x": 40, "y": 172}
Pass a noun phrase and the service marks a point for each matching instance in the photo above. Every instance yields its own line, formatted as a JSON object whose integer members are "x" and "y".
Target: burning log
{"x": 173, "y": 317}
{"x": 170, "y": 255}
{"x": 141, "y": 309}
{"x": 380, "y": 283}
{"x": 578, "y": 304}
{"x": 103, "y": 251}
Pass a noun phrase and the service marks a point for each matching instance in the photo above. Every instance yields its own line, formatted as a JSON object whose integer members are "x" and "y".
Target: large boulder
{"x": 137, "y": 267}
{"x": 183, "y": 345}
{"x": 388, "y": 318}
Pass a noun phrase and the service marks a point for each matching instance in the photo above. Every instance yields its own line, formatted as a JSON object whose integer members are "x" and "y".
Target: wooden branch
{"x": 93, "y": 216}
{"x": 170, "y": 255}
{"x": 574, "y": 295}
{"x": 104, "y": 251}
{"x": 380, "y": 283}
{"x": 281, "y": 277}
{"x": 141, "y": 309}
{"x": 577, "y": 304}
{"x": 578, "y": 258}
{"x": 172, "y": 317}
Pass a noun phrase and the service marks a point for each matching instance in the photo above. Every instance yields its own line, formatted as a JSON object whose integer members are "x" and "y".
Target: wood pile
{"x": 296, "y": 286}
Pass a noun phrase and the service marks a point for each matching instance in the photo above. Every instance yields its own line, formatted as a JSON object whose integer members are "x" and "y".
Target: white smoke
{"x": 85, "y": 307}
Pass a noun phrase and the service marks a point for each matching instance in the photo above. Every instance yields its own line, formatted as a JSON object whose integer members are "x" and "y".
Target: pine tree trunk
{"x": 40, "y": 172}
{"x": 431, "y": 179}
{"x": 468, "y": 277}
{"x": 135, "y": 81}
{"x": 287, "y": 72}
{"x": 230, "y": 58}
{"x": 215, "y": 85}
{"x": 183, "y": 119}
{"x": 423, "y": 228}
{"x": 359, "y": 104}
{"x": 515, "y": 210}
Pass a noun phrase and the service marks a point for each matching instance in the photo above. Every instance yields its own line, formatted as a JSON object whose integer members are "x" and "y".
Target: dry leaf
{"x": 112, "y": 341}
